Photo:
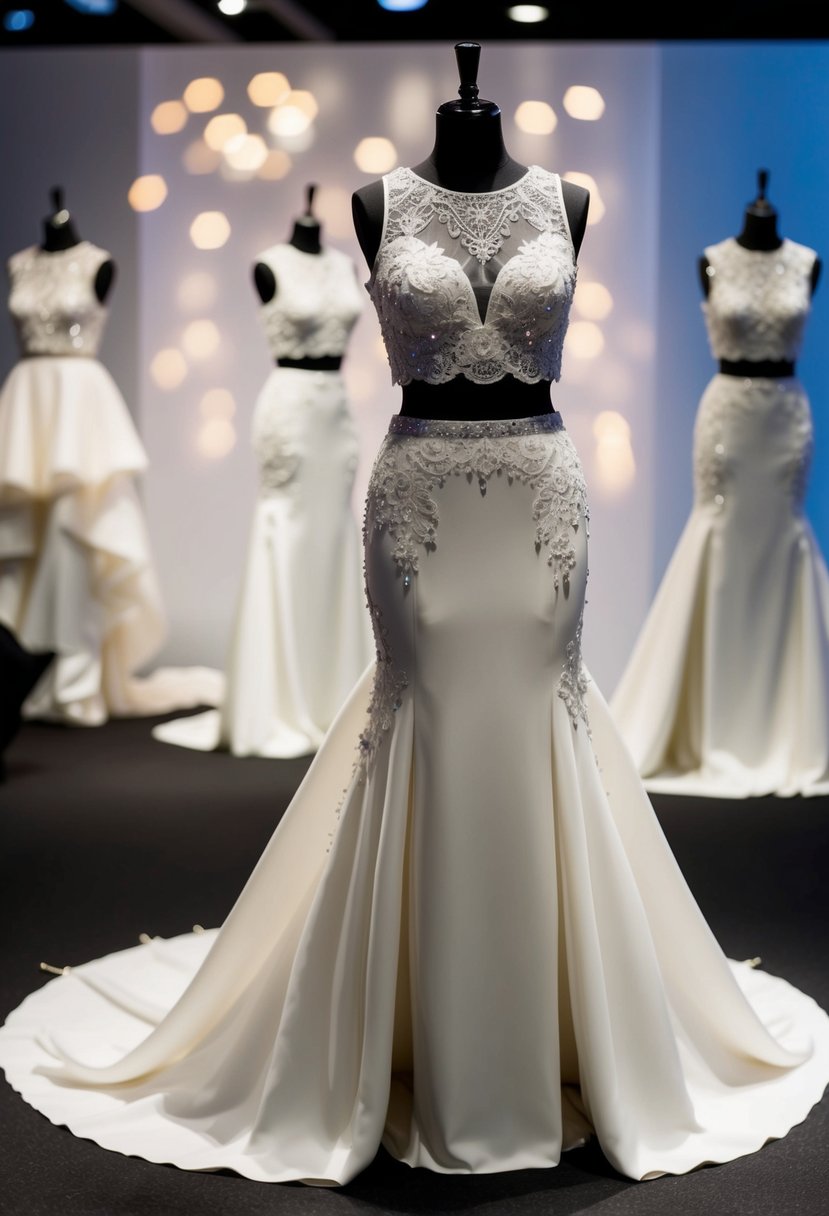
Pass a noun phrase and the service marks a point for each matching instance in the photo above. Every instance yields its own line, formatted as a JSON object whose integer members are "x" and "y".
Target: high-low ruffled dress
{"x": 76, "y": 569}
{"x": 301, "y": 636}
{"x": 726, "y": 693}
{"x": 467, "y": 939}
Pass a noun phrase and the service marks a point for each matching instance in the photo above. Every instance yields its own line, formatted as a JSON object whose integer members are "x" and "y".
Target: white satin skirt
{"x": 467, "y": 939}
{"x": 726, "y": 693}
{"x": 302, "y": 635}
{"x": 76, "y": 569}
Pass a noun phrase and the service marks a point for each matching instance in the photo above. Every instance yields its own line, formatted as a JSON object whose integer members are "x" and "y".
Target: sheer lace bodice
{"x": 759, "y": 301}
{"x": 438, "y": 245}
{"x": 52, "y": 300}
{"x": 316, "y": 306}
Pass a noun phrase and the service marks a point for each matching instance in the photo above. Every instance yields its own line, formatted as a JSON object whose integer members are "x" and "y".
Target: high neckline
{"x": 474, "y": 193}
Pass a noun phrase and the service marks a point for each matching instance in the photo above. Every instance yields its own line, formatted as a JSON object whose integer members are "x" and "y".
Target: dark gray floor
{"x": 106, "y": 833}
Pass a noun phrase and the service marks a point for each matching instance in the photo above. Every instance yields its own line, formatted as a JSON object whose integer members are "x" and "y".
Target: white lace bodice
{"x": 52, "y": 300}
{"x": 316, "y": 306}
{"x": 438, "y": 245}
{"x": 758, "y": 302}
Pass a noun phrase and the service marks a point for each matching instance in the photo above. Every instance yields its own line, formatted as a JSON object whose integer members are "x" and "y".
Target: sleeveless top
{"x": 758, "y": 301}
{"x": 52, "y": 300}
{"x": 316, "y": 306}
{"x": 437, "y": 244}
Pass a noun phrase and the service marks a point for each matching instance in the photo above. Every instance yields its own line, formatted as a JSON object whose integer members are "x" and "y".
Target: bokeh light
{"x": 597, "y": 207}
{"x": 584, "y": 102}
{"x": 198, "y": 159}
{"x": 375, "y": 154}
{"x": 197, "y": 291}
{"x": 216, "y": 438}
{"x": 203, "y": 95}
{"x": 210, "y": 230}
{"x": 615, "y": 463}
{"x": 168, "y": 117}
{"x": 275, "y": 166}
{"x": 246, "y": 153}
{"x": 593, "y": 301}
{"x": 168, "y": 369}
{"x": 147, "y": 193}
{"x": 222, "y": 129}
{"x": 201, "y": 339}
{"x": 584, "y": 340}
{"x": 268, "y": 88}
{"x": 332, "y": 205}
{"x": 217, "y": 403}
{"x": 536, "y": 118}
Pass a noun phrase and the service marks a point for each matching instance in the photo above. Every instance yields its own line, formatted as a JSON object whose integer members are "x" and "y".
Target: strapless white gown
{"x": 467, "y": 939}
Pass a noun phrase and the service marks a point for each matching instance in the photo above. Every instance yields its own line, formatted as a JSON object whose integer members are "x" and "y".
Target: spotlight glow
{"x": 16, "y": 20}
{"x": 402, "y": 6}
{"x": 232, "y": 8}
{"x": 528, "y": 14}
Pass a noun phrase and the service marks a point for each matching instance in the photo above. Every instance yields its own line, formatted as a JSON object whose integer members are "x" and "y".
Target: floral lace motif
{"x": 481, "y": 222}
{"x": 386, "y": 694}
{"x": 758, "y": 302}
{"x": 572, "y": 685}
{"x": 727, "y": 401}
{"x": 425, "y": 302}
{"x": 316, "y": 306}
{"x": 52, "y": 300}
{"x": 400, "y": 501}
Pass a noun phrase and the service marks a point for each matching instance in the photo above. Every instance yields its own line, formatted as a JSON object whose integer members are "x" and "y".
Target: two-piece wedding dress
{"x": 467, "y": 939}
{"x": 302, "y": 636}
{"x": 76, "y": 570}
{"x": 726, "y": 693}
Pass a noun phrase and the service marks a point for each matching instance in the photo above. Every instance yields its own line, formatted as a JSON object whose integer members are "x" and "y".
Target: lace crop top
{"x": 316, "y": 306}
{"x": 758, "y": 302}
{"x": 52, "y": 300}
{"x": 438, "y": 244}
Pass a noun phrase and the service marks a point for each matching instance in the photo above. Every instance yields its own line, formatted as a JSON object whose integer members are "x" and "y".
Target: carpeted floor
{"x": 107, "y": 833}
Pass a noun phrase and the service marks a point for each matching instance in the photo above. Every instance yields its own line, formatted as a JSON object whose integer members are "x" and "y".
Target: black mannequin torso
{"x": 306, "y": 237}
{"x": 759, "y": 233}
{"x": 59, "y": 233}
{"x": 469, "y": 156}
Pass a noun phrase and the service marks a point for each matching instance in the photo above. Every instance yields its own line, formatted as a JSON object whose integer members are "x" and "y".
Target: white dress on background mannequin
{"x": 76, "y": 571}
{"x": 302, "y": 635}
{"x": 726, "y": 693}
{"x": 467, "y": 939}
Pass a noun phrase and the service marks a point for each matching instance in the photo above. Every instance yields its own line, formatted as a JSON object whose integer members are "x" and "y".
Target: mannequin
{"x": 306, "y": 237}
{"x": 59, "y": 233}
{"x": 759, "y": 233}
{"x": 469, "y": 155}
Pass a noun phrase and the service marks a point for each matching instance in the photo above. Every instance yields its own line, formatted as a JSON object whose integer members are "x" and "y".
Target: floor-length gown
{"x": 301, "y": 636}
{"x": 481, "y": 951}
{"x": 726, "y": 693}
{"x": 76, "y": 569}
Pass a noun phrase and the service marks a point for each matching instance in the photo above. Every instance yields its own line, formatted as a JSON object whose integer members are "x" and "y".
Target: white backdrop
{"x": 199, "y": 505}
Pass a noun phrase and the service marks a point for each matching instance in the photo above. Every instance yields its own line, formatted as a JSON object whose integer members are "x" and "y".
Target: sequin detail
{"x": 572, "y": 685}
{"x": 425, "y": 301}
{"x": 52, "y": 300}
{"x": 386, "y": 696}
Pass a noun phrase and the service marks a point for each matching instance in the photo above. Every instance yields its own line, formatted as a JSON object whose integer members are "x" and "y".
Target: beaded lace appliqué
{"x": 758, "y": 302}
{"x": 52, "y": 300}
{"x": 426, "y": 304}
{"x": 400, "y": 501}
{"x": 386, "y": 696}
{"x": 316, "y": 306}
